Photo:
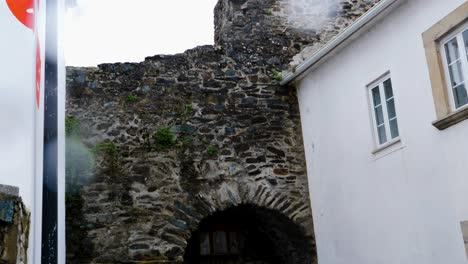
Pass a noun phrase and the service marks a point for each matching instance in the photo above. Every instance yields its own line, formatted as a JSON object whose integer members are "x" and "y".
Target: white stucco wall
{"x": 403, "y": 204}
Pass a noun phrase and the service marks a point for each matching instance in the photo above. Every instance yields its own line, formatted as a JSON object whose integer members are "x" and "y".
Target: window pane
{"x": 382, "y": 135}
{"x": 388, "y": 89}
{"x": 233, "y": 243}
{"x": 376, "y": 96}
{"x": 461, "y": 97}
{"x": 465, "y": 39}
{"x": 391, "y": 108}
{"x": 394, "y": 128}
{"x": 451, "y": 48}
{"x": 379, "y": 115}
{"x": 219, "y": 243}
{"x": 456, "y": 73}
{"x": 204, "y": 244}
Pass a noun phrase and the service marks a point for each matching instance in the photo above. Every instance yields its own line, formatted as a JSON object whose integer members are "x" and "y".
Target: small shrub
{"x": 164, "y": 138}
{"x": 188, "y": 109}
{"x": 212, "y": 150}
{"x": 277, "y": 75}
{"x": 132, "y": 98}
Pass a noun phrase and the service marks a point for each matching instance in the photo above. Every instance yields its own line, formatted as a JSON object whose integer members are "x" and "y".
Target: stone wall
{"x": 155, "y": 147}
{"x": 14, "y": 227}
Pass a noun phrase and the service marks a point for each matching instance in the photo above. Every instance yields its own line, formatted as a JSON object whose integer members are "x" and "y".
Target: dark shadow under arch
{"x": 249, "y": 234}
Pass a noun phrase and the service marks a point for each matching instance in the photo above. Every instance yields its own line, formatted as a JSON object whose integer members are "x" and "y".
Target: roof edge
{"x": 356, "y": 27}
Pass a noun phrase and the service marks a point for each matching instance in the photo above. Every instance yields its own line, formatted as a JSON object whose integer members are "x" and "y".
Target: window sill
{"x": 386, "y": 145}
{"x": 452, "y": 119}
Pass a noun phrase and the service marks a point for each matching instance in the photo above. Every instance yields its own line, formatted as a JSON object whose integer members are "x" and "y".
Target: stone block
{"x": 9, "y": 190}
{"x": 7, "y": 210}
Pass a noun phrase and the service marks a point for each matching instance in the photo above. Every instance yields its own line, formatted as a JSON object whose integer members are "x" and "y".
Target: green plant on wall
{"x": 187, "y": 141}
{"x": 212, "y": 150}
{"x": 164, "y": 138}
{"x": 106, "y": 147}
{"x": 277, "y": 75}
{"x": 186, "y": 110}
{"x": 132, "y": 98}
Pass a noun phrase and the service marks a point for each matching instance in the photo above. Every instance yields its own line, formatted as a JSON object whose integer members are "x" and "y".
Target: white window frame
{"x": 458, "y": 34}
{"x": 380, "y": 83}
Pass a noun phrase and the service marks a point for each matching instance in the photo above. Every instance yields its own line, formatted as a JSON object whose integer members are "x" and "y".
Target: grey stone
{"x": 9, "y": 190}
{"x": 7, "y": 210}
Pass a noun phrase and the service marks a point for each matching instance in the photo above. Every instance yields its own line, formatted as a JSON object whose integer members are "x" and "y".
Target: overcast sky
{"x": 99, "y": 31}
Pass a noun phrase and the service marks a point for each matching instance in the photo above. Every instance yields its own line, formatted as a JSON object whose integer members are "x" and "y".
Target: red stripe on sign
{"x": 23, "y": 10}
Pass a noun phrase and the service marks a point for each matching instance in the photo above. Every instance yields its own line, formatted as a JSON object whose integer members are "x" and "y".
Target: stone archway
{"x": 249, "y": 234}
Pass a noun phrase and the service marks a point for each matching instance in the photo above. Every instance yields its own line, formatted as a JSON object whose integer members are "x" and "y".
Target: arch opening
{"x": 249, "y": 234}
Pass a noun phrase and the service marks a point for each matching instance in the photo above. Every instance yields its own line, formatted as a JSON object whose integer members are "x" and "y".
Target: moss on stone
{"x": 164, "y": 138}
{"x": 186, "y": 110}
{"x": 106, "y": 147}
{"x": 212, "y": 150}
{"x": 132, "y": 98}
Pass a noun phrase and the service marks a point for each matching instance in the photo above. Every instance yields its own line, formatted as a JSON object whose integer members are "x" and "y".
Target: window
{"x": 220, "y": 243}
{"x": 383, "y": 110}
{"x": 455, "y": 51}
{"x": 445, "y": 44}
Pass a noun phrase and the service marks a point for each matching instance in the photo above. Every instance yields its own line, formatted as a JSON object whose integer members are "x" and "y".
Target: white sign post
{"x": 32, "y": 77}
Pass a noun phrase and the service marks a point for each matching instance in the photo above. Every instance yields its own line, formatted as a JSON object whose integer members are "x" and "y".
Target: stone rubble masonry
{"x": 238, "y": 137}
{"x": 14, "y": 227}
{"x": 301, "y": 15}
{"x": 9, "y": 190}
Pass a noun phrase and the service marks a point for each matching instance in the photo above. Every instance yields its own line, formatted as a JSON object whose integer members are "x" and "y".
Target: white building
{"x": 389, "y": 186}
